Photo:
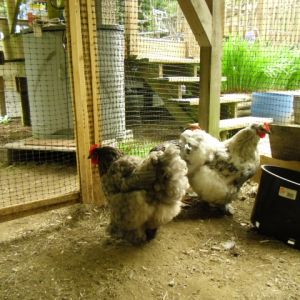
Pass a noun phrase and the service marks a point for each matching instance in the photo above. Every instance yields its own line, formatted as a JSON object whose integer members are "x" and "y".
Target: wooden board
{"x": 168, "y": 60}
{"x": 25, "y": 209}
{"x": 50, "y": 142}
{"x": 284, "y": 141}
{"x": 265, "y": 160}
{"x": 42, "y": 145}
{"x": 236, "y": 123}
{"x": 182, "y": 79}
{"x": 224, "y": 99}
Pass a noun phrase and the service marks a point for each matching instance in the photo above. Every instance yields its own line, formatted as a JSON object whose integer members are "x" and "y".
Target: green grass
{"x": 259, "y": 67}
{"x": 5, "y": 119}
{"x": 137, "y": 147}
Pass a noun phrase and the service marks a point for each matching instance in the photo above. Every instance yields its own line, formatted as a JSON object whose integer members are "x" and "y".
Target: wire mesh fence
{"x": 37, "y": 141}
{"x": 148, "y": 64}
{"x": 262, "y": 56}
{"x": 148, "y": 52}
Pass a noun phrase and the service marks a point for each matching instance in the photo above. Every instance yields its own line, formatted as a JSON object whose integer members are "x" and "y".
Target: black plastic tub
{"x": 276, "y": 210}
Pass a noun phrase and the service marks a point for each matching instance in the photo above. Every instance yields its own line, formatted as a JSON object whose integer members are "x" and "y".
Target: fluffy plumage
{"x": 142, "y": 194}
{"x": 217, "y": 170}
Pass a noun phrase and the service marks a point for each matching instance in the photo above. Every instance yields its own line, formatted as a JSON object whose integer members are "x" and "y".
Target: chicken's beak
{"x": 266, "y": 128}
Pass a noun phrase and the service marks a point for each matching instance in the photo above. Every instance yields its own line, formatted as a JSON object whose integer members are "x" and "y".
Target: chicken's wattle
{"x": 261, "y": 134}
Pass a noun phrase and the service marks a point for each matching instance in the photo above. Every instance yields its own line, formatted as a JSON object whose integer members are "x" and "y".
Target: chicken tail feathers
{"x": 171, "y": 180}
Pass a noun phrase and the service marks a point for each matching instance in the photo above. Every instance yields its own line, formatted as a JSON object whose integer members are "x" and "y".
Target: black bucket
{"x": 276, "y": 210}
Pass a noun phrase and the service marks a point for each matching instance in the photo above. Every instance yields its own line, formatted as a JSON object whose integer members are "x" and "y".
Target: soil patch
{"x": 67, "y": 254}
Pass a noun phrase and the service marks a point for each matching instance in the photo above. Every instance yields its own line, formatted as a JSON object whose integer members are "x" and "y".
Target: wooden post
{"x": 131, "y": 28}
{"x": 82, "y": 30}
{"x": 12, "y": 14}
{"x": 206, "y": 19}
{"x": 52, "y": 11}
{"x": 200, "y": 19}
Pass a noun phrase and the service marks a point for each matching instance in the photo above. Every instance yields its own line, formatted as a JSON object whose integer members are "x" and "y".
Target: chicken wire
{"x": 261, "y": 57}
{"x": 149, "y": 65}
{"x": 149, "y": 84}
{"x": 161, "y": 66}
{"x": 37, "y": 145}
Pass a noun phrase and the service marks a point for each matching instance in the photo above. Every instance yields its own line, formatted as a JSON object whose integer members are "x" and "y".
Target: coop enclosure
{"x": 132, "y": 73}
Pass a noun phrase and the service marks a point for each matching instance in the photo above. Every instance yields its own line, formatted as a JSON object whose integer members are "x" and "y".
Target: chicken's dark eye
{"x": 188, "y": 148}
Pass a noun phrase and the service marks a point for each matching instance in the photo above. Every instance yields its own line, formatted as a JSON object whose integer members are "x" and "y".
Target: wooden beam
{"x": 52, "y": 11}
{"x": 95, "y": 69}
{"x": 210, "y": 72}
{"x": 12, "y": 13}
{"x": 131, "y": 28}
{"x": 199, "y": 18}
{"x": 98, "y": 194}
{"x": 25, "y": 209}
{"x": 83, "y": 98}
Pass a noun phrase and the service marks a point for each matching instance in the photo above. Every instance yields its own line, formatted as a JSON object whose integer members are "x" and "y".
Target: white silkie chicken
{"x": 217, "y": 170}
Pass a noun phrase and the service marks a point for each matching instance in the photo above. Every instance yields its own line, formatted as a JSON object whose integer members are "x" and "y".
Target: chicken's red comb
{"x": 267, "y": 127}
{"x": 193, "y": 126}
{"x": 93, "y": 147}
{"x": 95, "y": 159}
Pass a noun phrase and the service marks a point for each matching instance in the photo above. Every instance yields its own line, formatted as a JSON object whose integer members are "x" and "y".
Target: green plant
{"x": 136, "y": 147}
{"x": 258, "y": 66}
{"x": 5, "y": 120}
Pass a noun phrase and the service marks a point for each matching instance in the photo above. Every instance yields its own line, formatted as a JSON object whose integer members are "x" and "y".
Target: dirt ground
{"x": 13, "y": 131}
{"x": 67, "y": 254}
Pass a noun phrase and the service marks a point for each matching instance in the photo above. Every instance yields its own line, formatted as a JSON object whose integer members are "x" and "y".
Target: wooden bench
{"x": 230, "y": 100}
{"x": 238, "y": 123}
{"x": 160, "y": 61}
{"x": 182, "y": 79}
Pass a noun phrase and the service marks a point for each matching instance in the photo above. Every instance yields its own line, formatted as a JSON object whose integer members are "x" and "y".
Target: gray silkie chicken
{"x": 142, "y": 193}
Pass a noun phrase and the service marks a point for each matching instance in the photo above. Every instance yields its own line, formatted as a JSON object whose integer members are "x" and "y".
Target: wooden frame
{"x": 13, "y": 11}
{"x": 25, "y": 209}
{"x": 206, "y": 18}
{"x": 86, "y": 94}
{"x": 131, "y": 28}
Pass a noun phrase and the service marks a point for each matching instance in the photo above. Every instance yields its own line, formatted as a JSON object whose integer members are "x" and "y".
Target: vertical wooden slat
{"x": 2, "y": 97}
{"x": 83, "y": 97}
{"x": 131, "y": 27}
{"x": 98, "y": 194}
{"x": 210, "y": 72}
{"x": 231, "y": 30}
{"x": 260, "y": 13}
{"x": 267, "y": 23}
{"x": 246, "y": 16}
{"x": 290, "y": 27}
{"x": 95, "y": 67}
{"x": 12, "y": 12}
{"x": 275, "y": 20}
{"x": 253, "y": 20}
{"x": 239, "y": 19}
{"x": 293, "y": 23}
{"x": 297, "y": 20}
{"x": 225, "y": 18}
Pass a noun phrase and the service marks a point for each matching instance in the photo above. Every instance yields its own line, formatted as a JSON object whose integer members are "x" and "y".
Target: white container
{"x": 48, "y": 84}
{"x": 112, "y": 88}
